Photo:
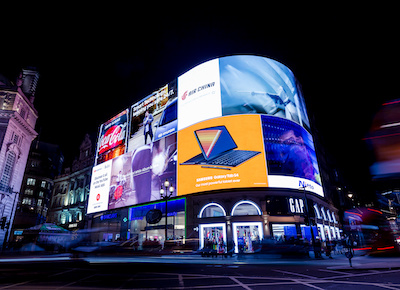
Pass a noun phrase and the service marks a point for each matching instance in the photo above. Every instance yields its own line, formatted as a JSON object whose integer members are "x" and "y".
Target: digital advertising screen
{"x": 154, "y": 117}
{"x": 199, "y": 94}
{"x": 290, "y": 155}
{"x": 221, "y": 153}
{"x": 112, "y": 138}
{"x": 233, "y": 122}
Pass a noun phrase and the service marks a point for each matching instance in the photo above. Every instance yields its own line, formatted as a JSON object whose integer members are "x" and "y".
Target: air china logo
{"x": 112, "y": 138}
{"x": 98, "y": 197}
{"x": 196, "y": 90}
{"x": 184, "y": 96}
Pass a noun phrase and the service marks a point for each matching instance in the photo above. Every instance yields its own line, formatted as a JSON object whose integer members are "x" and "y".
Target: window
{"x": 212, "y": 210}
{"x": 27, "y": 201}
{"x": 31, "y": 181}
{"x": 40, "y": 202}
{"x": 63, "y": 218}
{"x": 246, "y": 207}
{"x": 10, "y": 160}
{"x": 23, "y": 112}
{"x": 15, "y": 139}
{"x": 41, "y": 194}
{"x": 43, "y": 184}
{"x": 29, "y": 191}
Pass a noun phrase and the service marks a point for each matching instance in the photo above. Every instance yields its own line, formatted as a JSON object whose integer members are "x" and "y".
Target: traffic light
{"x": 3, "y": 222}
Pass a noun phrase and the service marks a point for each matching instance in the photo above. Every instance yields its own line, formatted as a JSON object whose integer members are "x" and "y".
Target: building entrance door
{"x": 213, "y": 237}
{"x": 247, "y": 236}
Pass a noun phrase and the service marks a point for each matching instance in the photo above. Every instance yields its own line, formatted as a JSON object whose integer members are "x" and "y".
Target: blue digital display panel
{"x": 174, "y": 206}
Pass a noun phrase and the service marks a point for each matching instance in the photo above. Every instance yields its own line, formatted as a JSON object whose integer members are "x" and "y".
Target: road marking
{"x": 307, "y": 284}
{"x": 297, "y": 274}
{"x": 333, "y": 271}
{"x": 240, "y": 283}
{"x": 69, "y": 284}
{"x": 349, "y": 275}
{"x": 16, "y": 284}
{"x": 60, "y": 273}
{"x": 181, "y": 283}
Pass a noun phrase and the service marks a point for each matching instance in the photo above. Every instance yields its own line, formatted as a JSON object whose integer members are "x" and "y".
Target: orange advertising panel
{"x": 221, "y": 153}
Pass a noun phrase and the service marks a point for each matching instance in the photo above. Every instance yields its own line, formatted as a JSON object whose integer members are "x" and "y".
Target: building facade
{"x": 44, "y": 163}
{"x": 71, "y": 190}
{"x": 223, "y": 155}
{"x": 17, "y": 122}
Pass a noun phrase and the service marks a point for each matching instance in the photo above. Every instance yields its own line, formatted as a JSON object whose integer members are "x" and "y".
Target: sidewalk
{"x": 339, "y": 262}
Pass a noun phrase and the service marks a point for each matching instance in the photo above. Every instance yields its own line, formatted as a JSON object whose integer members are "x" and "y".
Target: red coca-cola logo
{"x": 118, "y": 192}
{"x": 113, "y": 137}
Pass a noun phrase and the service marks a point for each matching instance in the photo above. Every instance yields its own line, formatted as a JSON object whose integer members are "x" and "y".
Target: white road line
{"x": 60, "y": 273}
{"x": 333, "y": 271}
{"x": 349, "y": 275}
{"x": 181, "y": 283}
{"x": 307, "y": 284}
{"x": 16, "y": 284}
{"x": 394, "y": 287}
{"x": 240, "y": 283}
{"x": 69, "y": 284}
{"x": 297, "y": 274}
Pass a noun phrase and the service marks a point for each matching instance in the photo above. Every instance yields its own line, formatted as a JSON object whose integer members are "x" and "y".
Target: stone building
{"x": 71, "y": 190}
{"x": 17, "y": 122}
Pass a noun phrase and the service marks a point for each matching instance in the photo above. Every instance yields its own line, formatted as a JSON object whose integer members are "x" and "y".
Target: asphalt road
{"x": 186, "y": 272}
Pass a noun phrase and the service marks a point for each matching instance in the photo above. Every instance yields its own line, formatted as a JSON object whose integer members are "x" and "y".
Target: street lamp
{"x": 166, "y": 192}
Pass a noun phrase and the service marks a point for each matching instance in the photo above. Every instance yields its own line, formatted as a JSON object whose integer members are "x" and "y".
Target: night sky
{"x": 96, "y": 61}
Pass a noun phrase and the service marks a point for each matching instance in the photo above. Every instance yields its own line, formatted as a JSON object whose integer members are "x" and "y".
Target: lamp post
{"x": 308, "y": 216}
{"x": 166, "y": 192}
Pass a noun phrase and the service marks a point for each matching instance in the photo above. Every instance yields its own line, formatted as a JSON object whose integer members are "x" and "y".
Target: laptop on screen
{"x": 218, "y": 149}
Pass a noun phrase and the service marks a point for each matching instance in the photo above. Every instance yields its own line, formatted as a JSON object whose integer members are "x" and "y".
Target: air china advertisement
{"x": 232, "y": 122}
{"x": 112, "y": 138}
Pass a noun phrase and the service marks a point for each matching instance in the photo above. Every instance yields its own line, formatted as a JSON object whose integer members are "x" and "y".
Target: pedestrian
{"x": 329, "y": 247}
{"x": 317, "y": 248}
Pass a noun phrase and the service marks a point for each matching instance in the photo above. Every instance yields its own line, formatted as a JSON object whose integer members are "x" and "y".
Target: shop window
{"x": 212, "y": 210}
{"x": 283, "y": 232}
{"x": 245, "y": 207}
{"x": 213, "y": 237}
{"x": 247, "y": 236}
{"x": 306, "y": 232}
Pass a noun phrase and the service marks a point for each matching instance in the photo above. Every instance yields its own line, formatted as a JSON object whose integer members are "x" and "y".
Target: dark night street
{"x": 194, "y": 272}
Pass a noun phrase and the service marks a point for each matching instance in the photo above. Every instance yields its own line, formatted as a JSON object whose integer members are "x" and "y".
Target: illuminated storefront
{"x": 228, "y": 136}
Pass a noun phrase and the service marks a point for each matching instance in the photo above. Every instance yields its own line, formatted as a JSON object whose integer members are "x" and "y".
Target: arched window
{"x": 246, "y": 207}
{"x": 212, "y": 210}
{"x": 8, "y": 169}
{"x": 316, "y": 210}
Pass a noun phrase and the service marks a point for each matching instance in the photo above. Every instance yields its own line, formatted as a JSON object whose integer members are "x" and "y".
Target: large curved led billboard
{"x": 232, "y": 122}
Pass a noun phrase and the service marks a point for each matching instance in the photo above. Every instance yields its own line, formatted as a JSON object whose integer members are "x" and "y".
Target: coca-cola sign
{"x": 113, "y": 133}
{"x": 113, "y": 137}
